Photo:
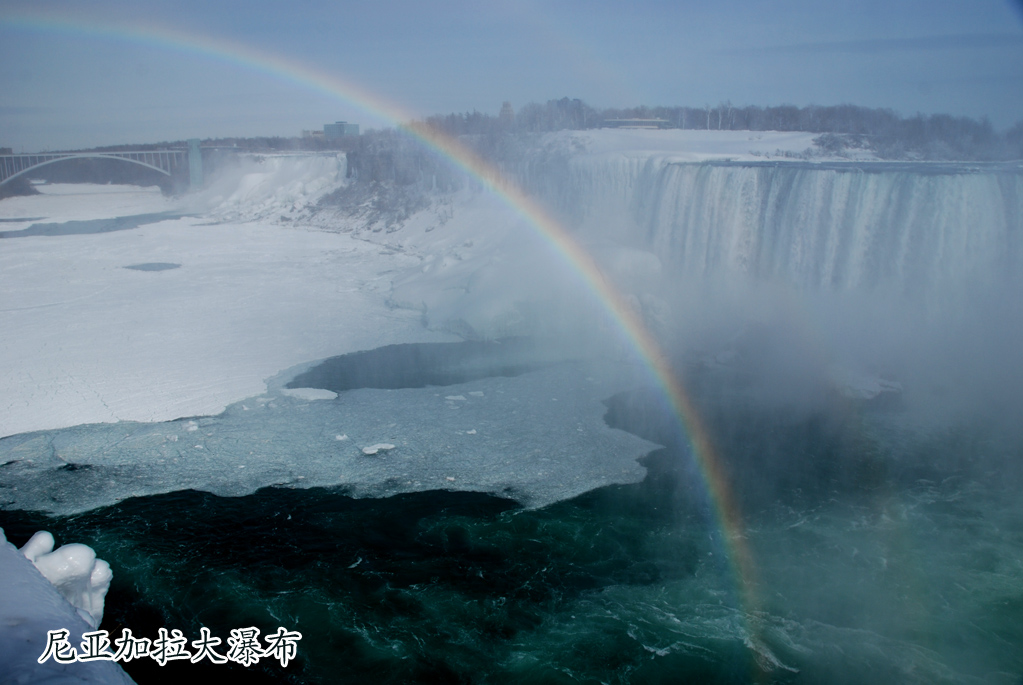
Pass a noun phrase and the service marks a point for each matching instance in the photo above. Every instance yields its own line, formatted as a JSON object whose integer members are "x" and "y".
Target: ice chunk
{"x": 380, "y": 446}
{"x": 309, "y": 393}
{"x": 75, "y": 571}
{"x": 455, "y": 398}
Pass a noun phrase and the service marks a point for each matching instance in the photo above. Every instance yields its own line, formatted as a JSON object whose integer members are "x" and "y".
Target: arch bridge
{"x": 167, "y": 162}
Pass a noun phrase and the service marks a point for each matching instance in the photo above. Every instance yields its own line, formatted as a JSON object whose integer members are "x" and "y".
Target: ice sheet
{"x": 60, "y": 202}
{"x": 85, "y": 340}
{"x": 537, "y": 438}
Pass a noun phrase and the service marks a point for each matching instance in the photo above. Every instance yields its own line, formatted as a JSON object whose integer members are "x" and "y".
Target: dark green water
{"x": 431, "y": 587}
{"x": 879, "y": 558}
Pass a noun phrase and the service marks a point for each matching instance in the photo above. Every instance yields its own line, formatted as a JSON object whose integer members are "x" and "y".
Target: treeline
{"x": 257, "y": 144}
{"x": 842, "y": 127}
{"x": 393, "y": 175}
{"x": 888, "y": 134}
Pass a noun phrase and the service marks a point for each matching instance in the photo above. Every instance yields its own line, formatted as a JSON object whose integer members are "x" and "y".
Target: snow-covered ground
{"x": 701, "y": 145}
{"x": 280, "y": 187}
{"x": 690, "y": 145}
{"x": 84, "y": 339}
{"x": 61, "y": 202}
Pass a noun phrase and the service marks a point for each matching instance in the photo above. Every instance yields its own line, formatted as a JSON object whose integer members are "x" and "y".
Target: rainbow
{"x": 726, "y": 509}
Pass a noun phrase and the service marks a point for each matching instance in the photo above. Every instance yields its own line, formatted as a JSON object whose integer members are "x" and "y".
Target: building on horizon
{"x": 340, "y": 129}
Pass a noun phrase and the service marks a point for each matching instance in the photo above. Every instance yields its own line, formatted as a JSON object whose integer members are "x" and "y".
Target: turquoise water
{"x": 882, "y": 555}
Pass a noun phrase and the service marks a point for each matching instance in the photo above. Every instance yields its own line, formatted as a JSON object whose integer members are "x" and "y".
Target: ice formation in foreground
{"x": 30, "y": 606}
{"x": 75, "y": 571}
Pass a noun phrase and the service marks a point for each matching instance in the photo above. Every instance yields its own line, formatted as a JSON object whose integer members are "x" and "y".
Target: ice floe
{"x": 379, "y": 447}
{"x": 309, "y": 393}
{"x": 520, "y": 445}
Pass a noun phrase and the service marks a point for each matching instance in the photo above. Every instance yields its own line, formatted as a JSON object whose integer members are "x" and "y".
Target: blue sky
{"x": 65, "y": 88}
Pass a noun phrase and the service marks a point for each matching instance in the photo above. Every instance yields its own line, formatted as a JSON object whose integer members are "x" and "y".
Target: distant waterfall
{"x": 914, "y": 227}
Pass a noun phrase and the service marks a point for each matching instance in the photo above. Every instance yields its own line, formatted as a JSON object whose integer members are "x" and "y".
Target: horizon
{"x": 407, "y": 124}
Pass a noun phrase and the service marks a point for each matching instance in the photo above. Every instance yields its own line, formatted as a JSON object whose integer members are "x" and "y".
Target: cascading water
{"x": 909, "y": 270}
{"x": 841, "y": 226}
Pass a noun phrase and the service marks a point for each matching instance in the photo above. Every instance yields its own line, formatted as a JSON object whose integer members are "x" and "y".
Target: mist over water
{"x": 911, "y": 274}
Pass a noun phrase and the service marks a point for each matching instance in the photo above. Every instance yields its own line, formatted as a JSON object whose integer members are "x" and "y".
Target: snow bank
{"x": 75, "y": 571}
{"x": 85, "y": 340}
{"x": 29, "y": 607}
{"x": 691, "y": 145}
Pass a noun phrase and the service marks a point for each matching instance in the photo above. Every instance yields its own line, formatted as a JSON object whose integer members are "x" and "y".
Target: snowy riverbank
{"x": 86, "y": 339}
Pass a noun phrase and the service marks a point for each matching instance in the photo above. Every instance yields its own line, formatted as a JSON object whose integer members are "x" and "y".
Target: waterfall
{"x": 842, "y": 227}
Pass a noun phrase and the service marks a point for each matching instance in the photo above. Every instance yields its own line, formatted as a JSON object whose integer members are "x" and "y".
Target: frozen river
{"x": 509, "y": 508}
